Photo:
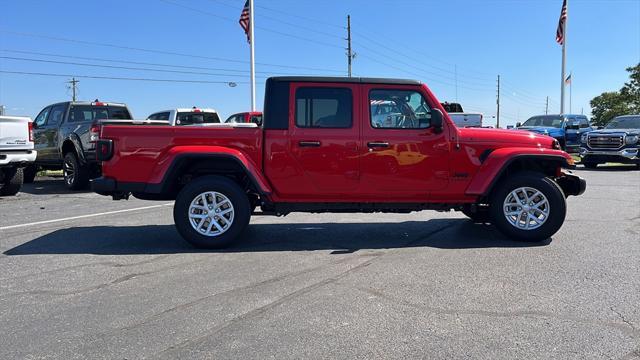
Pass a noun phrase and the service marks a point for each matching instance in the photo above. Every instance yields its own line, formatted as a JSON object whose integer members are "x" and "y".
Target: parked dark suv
{"x": 65, "y": 136}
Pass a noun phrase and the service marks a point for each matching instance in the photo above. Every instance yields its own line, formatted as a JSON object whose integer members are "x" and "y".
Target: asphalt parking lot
{"x": 94, "y": 278}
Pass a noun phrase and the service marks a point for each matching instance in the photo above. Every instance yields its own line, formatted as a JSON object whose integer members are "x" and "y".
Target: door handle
{"x": 378, "y": 144}
{"x": 309, "y": 143}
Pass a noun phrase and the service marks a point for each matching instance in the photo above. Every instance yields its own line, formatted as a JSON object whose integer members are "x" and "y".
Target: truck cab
{"x": 323, "y": 148}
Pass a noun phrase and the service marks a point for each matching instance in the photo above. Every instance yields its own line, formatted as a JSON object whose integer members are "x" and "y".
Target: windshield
{"x": 626, "y": 122}
{"x": 546, "y": 121}
{"x": 190, "y": 118}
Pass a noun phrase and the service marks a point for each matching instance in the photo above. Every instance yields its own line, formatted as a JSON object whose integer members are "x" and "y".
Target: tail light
{"x": 104, "y": 149}
{"x": 30, "y": 131}
{"x": 94, "y": 132}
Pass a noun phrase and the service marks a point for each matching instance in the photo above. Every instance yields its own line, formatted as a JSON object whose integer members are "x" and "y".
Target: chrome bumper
{"x": 631, "y": 154}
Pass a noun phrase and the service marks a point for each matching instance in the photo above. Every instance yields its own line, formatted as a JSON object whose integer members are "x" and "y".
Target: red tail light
{"x": 94, "y": 132}
{"x": 30, "y": 131}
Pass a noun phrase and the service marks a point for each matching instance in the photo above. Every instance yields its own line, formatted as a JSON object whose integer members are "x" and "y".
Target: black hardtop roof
{"x": 336, "y": 79}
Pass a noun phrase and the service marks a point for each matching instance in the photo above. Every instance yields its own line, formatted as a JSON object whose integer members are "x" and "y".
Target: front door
{"x": 403, "y": 157}
{"x": 323, "y": 143}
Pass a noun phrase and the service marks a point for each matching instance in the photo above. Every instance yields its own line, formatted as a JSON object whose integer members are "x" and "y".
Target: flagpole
{"x": 570, "y": 92}
{"x": 252, "y": 44}
{"x": 564, "y": 59}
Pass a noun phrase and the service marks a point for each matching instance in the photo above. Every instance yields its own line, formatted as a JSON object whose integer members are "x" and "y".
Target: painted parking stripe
{"x": 84, "y": 216}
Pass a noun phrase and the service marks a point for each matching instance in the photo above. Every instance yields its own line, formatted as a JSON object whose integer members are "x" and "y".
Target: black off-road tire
{"x": 29, "y": 173}
{"x": 12, "y": 182}
{"x": 76, "y": 176}
{"x": 538, "y": 181}
{"x": 236, "y": 195}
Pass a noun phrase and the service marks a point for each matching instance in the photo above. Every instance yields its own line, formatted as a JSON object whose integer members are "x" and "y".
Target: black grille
{"x": 605, "y": 141}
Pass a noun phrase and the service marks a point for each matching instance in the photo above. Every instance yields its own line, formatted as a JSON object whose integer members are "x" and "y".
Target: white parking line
{"x": 84, "y": 216}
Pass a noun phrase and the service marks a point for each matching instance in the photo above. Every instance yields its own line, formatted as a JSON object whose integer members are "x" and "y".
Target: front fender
{"x": 499, "y": 160}
{"x": 169, "y": 162}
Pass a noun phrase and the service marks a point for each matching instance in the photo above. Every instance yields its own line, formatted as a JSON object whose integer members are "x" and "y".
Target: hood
{"x": 505, "y": 137}
{"x": 542, "y": 129}
{"x": 616, "y": 131}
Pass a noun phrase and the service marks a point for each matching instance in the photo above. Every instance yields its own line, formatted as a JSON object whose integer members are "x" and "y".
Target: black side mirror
{"x": 436, "y": 120}
{"x": 518, "y": 124}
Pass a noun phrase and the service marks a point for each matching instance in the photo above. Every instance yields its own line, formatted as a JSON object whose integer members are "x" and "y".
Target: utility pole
{"x": 74, "y": 85}
{"x": 350, "y": 55}
{"x": 546, "y": 107}
{"x": 498, "y": 103}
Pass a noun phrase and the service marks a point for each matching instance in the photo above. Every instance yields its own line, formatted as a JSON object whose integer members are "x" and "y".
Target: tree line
{"x": 626, "y": 101}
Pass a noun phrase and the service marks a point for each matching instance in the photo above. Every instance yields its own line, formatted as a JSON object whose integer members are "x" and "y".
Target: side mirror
{"x": 518, "y": 124}
{"x": 436, "y": 120}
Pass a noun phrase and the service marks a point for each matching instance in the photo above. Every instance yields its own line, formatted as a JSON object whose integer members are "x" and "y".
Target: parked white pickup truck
{"x": 463, "y": 120}
{"x": 16, "y": 152}
{"x": 182, "y": 117}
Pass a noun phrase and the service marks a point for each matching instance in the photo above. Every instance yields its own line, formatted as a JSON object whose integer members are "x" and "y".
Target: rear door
{"x": 324, "y": 131}
{"x": 403, "y": 157}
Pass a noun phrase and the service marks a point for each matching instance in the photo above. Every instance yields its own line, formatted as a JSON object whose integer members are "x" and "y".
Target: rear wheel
{"x": 12, "y": 181}
{"x": 211, "y": 212}
{"x": 528, "y": 207}
{"x": 76, "y": 176}
{"x": 29, "y": 173}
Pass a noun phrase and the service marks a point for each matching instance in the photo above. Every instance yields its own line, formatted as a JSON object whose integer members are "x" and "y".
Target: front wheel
{"x": 211, "y": 212}
{"x": 528, "y": 207}
{"x": 29, "y": 173}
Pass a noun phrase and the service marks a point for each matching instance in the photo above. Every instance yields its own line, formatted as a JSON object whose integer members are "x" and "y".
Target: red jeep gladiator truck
{"x": 321, "y": 149}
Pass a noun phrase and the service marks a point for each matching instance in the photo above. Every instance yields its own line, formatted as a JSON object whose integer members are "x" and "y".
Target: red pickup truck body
{"x": 360, "y": 166}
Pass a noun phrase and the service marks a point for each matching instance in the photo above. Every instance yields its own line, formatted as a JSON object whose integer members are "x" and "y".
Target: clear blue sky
{"x": 433, "y": 41}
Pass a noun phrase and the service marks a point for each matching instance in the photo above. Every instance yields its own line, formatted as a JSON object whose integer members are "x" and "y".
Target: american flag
{"x": 244, "y": 20}
{"x": 561, "y": 23}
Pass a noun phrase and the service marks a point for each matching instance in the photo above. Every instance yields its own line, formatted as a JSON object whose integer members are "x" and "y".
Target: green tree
{"x": 608, "y": 105}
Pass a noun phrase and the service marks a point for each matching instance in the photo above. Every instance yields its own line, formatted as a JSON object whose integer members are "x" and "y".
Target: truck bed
{"x": 144, "y": 153}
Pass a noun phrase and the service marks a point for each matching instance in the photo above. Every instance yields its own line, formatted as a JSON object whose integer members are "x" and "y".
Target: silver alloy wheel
{"x": 526, "y": 208}
{"x": 211, "y": 213}
{"x": 69, "y": 172}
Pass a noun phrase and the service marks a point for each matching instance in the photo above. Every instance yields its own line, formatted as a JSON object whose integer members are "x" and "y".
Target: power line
{"x": 163, "y": 52}
{"x": 120, "y": 67}
{"x": 144, "y": 63}
{"x": 257, "y": 27}
{"x": 120, "y": 78}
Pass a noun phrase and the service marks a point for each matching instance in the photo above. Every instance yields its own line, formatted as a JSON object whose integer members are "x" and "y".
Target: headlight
{"x": 584, "y": 138}
{"x": 632, "y": 139}
{"x": 556, "y": 145}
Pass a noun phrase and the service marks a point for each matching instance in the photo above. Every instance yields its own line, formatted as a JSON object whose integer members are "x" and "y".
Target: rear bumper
{"x": 17, "y": 158}
{"x": 571, "y": 184}
{"x": 110, "y": 187}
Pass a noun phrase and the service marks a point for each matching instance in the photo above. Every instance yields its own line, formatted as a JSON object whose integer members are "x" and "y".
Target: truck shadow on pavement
{"x": 339, "y": 237}
{"x": 49, "y": 186}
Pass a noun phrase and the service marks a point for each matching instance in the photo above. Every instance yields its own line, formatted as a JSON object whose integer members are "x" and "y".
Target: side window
{"x": 398, "y": 109}
{"x": 41, "y": 119}
{"x": 324, "y": 107}
{"x": 57, "y": 113}
{"x": 584, "y": 123}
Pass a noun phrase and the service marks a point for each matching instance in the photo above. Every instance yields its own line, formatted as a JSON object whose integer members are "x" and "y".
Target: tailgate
{"x": 14, "y": 133}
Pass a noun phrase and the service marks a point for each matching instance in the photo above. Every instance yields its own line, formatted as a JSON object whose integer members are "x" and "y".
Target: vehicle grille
{"x": 606, "y": 142}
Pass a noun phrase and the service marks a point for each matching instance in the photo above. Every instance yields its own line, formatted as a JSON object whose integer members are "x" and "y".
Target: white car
{"x": 463, "y": 120}
{"x": 16, "y": 152}
{"x": 186, "y": 116}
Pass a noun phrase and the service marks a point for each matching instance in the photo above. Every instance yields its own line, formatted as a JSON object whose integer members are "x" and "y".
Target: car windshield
{"x": 546, "y": 121}
{"x": 190, "y": 118}
{"x": 626, "y": 122}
